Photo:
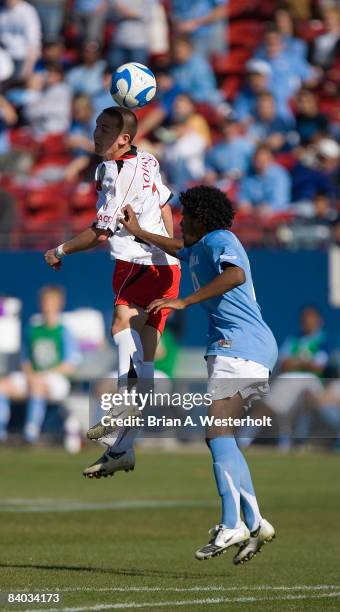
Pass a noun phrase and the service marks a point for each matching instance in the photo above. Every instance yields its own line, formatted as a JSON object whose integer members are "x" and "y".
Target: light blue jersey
{"x": 236, "y": 327}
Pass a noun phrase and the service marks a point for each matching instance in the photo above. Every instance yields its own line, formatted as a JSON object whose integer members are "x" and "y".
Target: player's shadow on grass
{"x": 112, "y": 571}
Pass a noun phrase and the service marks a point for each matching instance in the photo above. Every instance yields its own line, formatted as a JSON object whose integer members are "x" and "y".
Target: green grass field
{"x": 128, "y": 542}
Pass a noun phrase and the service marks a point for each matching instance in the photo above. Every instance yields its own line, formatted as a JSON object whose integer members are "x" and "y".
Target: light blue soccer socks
{"x": 225, "y": 454}
{"x": 249, "y": 505}
{"x": 234, "y": 484}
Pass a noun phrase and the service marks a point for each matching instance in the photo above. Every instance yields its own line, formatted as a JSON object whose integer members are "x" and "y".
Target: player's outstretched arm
{"x": 169, "y": 245}
{"x": 230, "y": 278}
{"x": 88, "y": 239}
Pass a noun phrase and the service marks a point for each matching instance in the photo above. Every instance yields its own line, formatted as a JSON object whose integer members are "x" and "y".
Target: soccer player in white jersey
{"x": 142, "y": 272}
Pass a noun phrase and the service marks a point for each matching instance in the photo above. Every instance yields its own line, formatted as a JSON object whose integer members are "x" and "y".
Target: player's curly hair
{"x": 210, "y": 205}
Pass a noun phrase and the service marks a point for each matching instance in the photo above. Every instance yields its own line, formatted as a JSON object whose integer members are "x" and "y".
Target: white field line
{"x": 54, "y": 505}
{"x": 173, "y": 589}
{"x": 185, "y": 602}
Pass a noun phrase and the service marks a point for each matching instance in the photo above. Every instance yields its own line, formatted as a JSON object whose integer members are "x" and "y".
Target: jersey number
{"x": 195, "y": 282}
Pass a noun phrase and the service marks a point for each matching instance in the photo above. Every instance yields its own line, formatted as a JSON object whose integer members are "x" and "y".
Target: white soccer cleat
{"x": 111, "y": 462}
{"x": 265, "y": 533}
{"x": 222, "y": 539}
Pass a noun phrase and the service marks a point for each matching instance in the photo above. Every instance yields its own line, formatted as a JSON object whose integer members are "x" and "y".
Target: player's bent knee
{"x": 7, "y": 387}
{"x": 119, "y": 326}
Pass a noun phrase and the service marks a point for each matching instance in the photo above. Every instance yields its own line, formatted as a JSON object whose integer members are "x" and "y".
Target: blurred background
{"x": 247, "y": 100}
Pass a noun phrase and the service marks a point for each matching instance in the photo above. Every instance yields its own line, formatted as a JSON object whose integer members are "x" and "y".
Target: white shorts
{"x": 287, "y": 388}
{"x": 58, "y": 385}
{"x": 231, "y": 375}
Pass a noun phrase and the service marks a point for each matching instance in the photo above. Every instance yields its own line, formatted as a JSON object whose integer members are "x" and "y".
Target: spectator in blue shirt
{"x": 86, "y": 78}
{"x": 193, "y": 73}
{"x": 286, "y": 26}
{"x": 310, "y": 123}
{"x": 231, "y": 157}
{"x": 47, "y": 102}
{"x": 204, "y": 21}
{"x": 186, "y": 142}
{"x": 80, "y": 134}
{"x": 103, "y": 99}
{"x": 167, "y": 92}
{"x": 79, "y": 139}
{"x": 258, "y": 74}
{"x": 307, "y": 181}
{"x": 267, "y": 126}
{"x": 289, "y": 70}
{"x": 267, "y": 187}
{"x": 53, "y": 51}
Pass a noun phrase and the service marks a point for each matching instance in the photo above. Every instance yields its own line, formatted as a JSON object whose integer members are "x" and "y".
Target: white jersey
{"x": 134, "y": 180}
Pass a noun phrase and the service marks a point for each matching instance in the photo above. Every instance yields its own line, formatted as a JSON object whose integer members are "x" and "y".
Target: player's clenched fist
{"x": 52, "y": 260}
{"x": 129, "y": 220}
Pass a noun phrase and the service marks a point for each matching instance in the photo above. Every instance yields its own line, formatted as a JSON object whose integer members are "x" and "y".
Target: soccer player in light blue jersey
{"x": 240, "y": 355}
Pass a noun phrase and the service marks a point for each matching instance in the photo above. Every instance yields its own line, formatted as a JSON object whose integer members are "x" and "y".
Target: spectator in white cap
{"x": 258, "y": 66}
{"x": 318, "y": 173}
{"x": 329, "y": 150}
{"x": 20, "y": 35}
{"x": 329, "y": 158}
{"x": 258, "y": 73}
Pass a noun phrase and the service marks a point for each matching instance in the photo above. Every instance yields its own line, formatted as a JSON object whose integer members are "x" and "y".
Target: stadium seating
{"x": 58, "y": 208}
{"x": 82, "y": 207}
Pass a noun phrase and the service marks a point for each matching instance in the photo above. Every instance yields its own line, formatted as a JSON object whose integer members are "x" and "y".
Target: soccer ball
{"x": 133, "y": 85}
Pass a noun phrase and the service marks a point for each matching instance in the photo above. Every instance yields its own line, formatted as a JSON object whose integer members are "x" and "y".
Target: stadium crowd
{"x": 248, "y": 100}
